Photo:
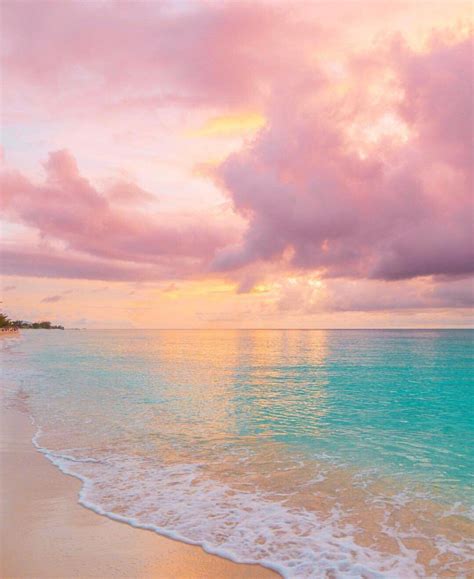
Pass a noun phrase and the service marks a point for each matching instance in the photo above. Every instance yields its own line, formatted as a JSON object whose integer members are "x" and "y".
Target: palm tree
{"x": 5, "y": 322}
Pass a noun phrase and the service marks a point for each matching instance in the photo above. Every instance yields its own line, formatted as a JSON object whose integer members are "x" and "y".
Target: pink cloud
{"x": 32, "y": 261}
{"x": 68, "y": 208}
{"x": 51, "y": 299}
{"x": 129, "y": 194}
{"x": 403, "y": 211}
{"x": 145, "y": 54}
{"x": 439, "y": 100}
{"x": 376, "y": 296}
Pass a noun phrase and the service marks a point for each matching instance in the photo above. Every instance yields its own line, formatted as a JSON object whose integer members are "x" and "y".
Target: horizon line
{"x": 273, "y": 329}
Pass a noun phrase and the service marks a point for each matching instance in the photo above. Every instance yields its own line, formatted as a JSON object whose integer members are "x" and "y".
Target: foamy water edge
{"x": 339, "y": 554}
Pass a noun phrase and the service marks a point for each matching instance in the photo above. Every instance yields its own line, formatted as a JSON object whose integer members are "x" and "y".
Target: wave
{"x": 177, "y": 501}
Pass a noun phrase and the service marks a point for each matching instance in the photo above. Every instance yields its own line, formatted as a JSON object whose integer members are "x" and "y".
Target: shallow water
{"x": 316, "y": 453}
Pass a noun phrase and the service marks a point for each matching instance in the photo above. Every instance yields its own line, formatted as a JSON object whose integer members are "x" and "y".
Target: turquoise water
{"x": 268, "y": 446}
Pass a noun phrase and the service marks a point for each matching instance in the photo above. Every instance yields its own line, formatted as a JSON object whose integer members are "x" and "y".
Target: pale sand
{"x": 45, "y": 533}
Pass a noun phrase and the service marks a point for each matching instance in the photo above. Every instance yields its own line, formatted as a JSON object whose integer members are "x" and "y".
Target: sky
{"x": 192, "y": 164}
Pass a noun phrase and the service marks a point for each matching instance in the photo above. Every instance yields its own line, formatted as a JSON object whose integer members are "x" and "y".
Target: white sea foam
{"x": 179, "y": 502}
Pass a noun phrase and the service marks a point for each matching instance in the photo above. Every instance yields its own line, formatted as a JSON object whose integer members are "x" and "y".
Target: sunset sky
{"x": 232, "y": 164}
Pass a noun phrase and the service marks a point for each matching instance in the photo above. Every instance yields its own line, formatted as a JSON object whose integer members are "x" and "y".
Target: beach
{"x": 46, "y": 533}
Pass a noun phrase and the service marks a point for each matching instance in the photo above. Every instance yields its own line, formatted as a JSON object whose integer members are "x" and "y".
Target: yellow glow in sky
{"x": 230, "y": 125}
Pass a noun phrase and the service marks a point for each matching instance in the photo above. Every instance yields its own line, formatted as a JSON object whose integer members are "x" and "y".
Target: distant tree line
{"x": 5, "y": 322}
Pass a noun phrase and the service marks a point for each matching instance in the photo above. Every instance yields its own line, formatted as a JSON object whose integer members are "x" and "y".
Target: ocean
{"x": 325, "y": 453}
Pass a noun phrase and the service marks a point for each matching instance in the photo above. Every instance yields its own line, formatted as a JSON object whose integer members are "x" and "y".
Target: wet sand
{"x": 45, "y": 533}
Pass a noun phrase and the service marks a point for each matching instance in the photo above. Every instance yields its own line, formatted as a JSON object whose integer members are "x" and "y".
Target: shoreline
{"x": 46, "y": 533}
